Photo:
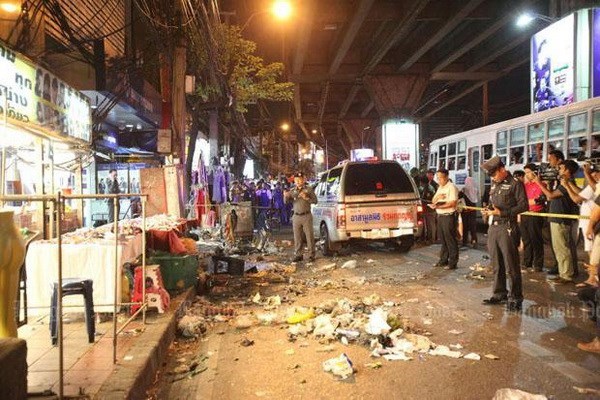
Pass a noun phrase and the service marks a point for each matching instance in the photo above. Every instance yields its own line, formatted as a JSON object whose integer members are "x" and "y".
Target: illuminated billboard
{"x": 552, "y": 65}
{"x": 596, "y": 53}
{"x": 401, "y": 143}
{"x": 33, "y": 97}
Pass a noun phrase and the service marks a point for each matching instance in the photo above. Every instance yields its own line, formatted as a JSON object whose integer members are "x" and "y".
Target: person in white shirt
{"x": 444, "y": 203}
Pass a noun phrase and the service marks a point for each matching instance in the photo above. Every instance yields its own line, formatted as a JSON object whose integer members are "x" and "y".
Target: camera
{"x": 541, "y": 200}
{"x": 547, "y": 172}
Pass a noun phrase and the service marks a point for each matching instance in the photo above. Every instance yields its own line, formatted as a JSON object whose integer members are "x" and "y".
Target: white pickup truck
{"x": 369, "y": 200}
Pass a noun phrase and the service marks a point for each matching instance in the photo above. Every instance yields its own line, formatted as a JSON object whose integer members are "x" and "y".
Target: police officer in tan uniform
{"x": 507, "y": 200}
{"x": 302, "y": 197}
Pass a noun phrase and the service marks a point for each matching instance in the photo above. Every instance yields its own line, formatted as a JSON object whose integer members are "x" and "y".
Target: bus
{"x": 574, "y": 129}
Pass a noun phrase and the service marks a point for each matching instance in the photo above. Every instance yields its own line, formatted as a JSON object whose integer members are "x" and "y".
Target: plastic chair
{"x": 73, "y": 286}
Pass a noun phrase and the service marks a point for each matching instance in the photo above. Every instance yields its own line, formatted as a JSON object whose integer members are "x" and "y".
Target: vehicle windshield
{"x": 381, "y": 178}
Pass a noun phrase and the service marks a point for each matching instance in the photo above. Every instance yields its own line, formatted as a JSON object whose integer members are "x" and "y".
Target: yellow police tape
{"x": 532, "y": 213}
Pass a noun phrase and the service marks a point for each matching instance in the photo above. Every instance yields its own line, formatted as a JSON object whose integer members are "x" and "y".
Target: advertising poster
{"x": 400, "y": 143}
{"x": 552, "y": 65}
{"x": 596, "y": 53}
{"x": 37, "y": 98}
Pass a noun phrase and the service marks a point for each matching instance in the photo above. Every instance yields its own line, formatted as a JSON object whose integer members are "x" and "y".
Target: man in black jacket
{"x": 507, "y": 201}
{"x": 112, "y": 187}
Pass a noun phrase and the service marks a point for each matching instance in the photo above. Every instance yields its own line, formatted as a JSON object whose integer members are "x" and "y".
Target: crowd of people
{"x": 572, "y": 212}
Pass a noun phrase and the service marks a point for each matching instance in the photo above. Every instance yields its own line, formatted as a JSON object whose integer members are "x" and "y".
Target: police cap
{"x": 492, "y": 165}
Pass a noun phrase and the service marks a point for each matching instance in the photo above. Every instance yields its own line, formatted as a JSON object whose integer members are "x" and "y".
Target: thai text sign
{"x": 34, "y": 97}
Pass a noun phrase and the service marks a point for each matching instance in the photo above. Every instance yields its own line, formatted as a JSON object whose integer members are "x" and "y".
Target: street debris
{"x": 587, "y": 390}
{"x": 349, "y": 264}
{"x": 191, "y": 326}
{"x": 456, "y": 332}
{"x": 472, "y": 356}
{"x": 375, "y": 365}
{"x": 445, "y": 351}
{"x": 247, "y": 342}
{"x": 339, "y": 366}
{"x": 492, "y": 357}
{"x": 516, "y": 394}
{"x": 377, "y": 324}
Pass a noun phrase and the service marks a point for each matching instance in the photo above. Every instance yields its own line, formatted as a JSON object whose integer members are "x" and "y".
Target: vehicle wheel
{"x": 325, "y": 241}
{"x": 405, "y": 243}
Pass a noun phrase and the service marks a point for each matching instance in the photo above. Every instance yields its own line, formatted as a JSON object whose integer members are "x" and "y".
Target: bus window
{"x": 595, "y": 147}
{"x": 501, "y": 140}
{"x": 487, "y": 152}
{"x": 577, "y": 148}
{"x": 442, "y": 163}
{"x": 516, "y": 155}
{"x": 535, "y": 132}
{"x": 517, "y": 136}
{"x": 462, "y": 147}
{"x": 451, "y": 163}
{"x": 452, "y": 149}
{"x": 556, "y": 127}
{"x": 443, "y": 151}
{"x": 578, "y": 124}
{"x": 535, "y": 153}
{"x": 474, "y": 159}
{"x": 555, "y": 145}
{"x": 596, "y": 121}
{"x": 462, "y": 163}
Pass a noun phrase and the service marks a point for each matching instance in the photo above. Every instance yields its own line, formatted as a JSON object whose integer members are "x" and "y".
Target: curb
{"x": 131, "y": 379}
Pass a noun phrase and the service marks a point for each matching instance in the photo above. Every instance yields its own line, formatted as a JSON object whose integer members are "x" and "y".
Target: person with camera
{"x": 531, "y": 226}
{"x": 507, "y": 201}
{"x": 560, "y": 228}
{"x": 585, "y": 197}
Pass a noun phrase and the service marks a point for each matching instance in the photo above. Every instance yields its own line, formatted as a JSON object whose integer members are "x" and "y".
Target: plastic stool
{"x": 73, "y": 286}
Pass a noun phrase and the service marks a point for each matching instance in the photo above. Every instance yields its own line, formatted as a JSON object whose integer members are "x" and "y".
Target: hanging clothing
{"x": 219, "y": 187}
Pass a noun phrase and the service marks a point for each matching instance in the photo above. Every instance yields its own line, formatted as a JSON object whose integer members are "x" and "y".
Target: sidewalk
{"x": 89, "y": 371}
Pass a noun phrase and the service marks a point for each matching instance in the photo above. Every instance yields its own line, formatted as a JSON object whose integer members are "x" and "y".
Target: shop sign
{"x": 108, "y": 140}
{"x": 400, "y": 143}
{"x": 34, "y": 97}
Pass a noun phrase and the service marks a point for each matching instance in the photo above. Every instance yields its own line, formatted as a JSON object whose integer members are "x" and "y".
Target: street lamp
{"x": 10, "y": 7}
{"x": 526, "y": 18}
{"x": 281, "y": 9}
{"x": 285, "y": 127}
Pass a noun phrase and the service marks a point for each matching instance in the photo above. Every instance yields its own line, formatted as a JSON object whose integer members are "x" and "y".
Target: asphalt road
{"x": 536, "y": 349}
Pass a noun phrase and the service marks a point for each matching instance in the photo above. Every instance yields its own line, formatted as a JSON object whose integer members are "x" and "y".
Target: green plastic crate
{"x": 178, "y": 272}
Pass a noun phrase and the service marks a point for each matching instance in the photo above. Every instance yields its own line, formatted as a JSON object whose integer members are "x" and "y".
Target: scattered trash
{"x": 324, "y": 326}
{"x": 457, "y": 346}
{"x": 328, "y": 267}
{"x": 375, "y": 365}
{"x": 244, "y": 322}
{"x": 191, "y": 326}
{"x": 372, "y": 300}
{"x": 587, "y": 390}
{"x": 301, "y": 315}
{"x": 339, "y": 366}
{"x": 350, "y": 334}
{"x": 492, "y": 357}
{"x": 344, "y": 340}
{"x": 377, "y": 324}
{"x": 472, "y": 356}
{"x": 397, "y": 357}
{"x": 413, "y": 300}
{"x": 456, "y": 332}
{"x": 267, "y": 318}
{"x": 256, "y": 298}
{"x": 445, "y": 351}
{"x": 427, "y": 321}
{"x": 290, "y": 352}
{"x": 516, "y": 394}
{"x": 349, "y": 264}
{"x": 370, "y": 261}
{"x": 247, "y": 342}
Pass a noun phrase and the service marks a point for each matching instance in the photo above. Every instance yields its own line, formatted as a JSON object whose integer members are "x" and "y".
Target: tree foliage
{"x": 248, "y": 77}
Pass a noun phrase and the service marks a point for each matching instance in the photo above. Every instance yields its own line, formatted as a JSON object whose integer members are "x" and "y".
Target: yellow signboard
{"x": 32, "y": 96}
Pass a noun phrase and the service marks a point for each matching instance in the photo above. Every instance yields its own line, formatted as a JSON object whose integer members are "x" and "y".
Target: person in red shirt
{"x": 531, "y": 226}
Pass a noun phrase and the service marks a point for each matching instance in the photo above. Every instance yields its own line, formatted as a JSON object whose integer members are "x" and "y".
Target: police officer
{"x": 507, "y": 201}
{"x": 302, "y": 196}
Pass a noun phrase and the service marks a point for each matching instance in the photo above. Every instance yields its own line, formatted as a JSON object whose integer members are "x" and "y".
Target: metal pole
{"x": 3, "y": 172}
{"x": 59, "y": 308}
{"x": 116, "y": 231}
{"x": 144, "y": 305}
{"x": 326, "y": 156}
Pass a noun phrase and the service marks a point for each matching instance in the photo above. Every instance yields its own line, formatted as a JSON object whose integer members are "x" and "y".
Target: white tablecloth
{"x": 95, "y": 261}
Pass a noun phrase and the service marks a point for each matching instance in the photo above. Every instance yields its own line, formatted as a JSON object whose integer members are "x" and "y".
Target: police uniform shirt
{"x": 302, "y": 206}
{"x": 446, "y": 194}
{"x": 509, "y": 197}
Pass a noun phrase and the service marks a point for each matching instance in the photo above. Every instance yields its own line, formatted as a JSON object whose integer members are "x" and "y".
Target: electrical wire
{"x": 148, "y": 15}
